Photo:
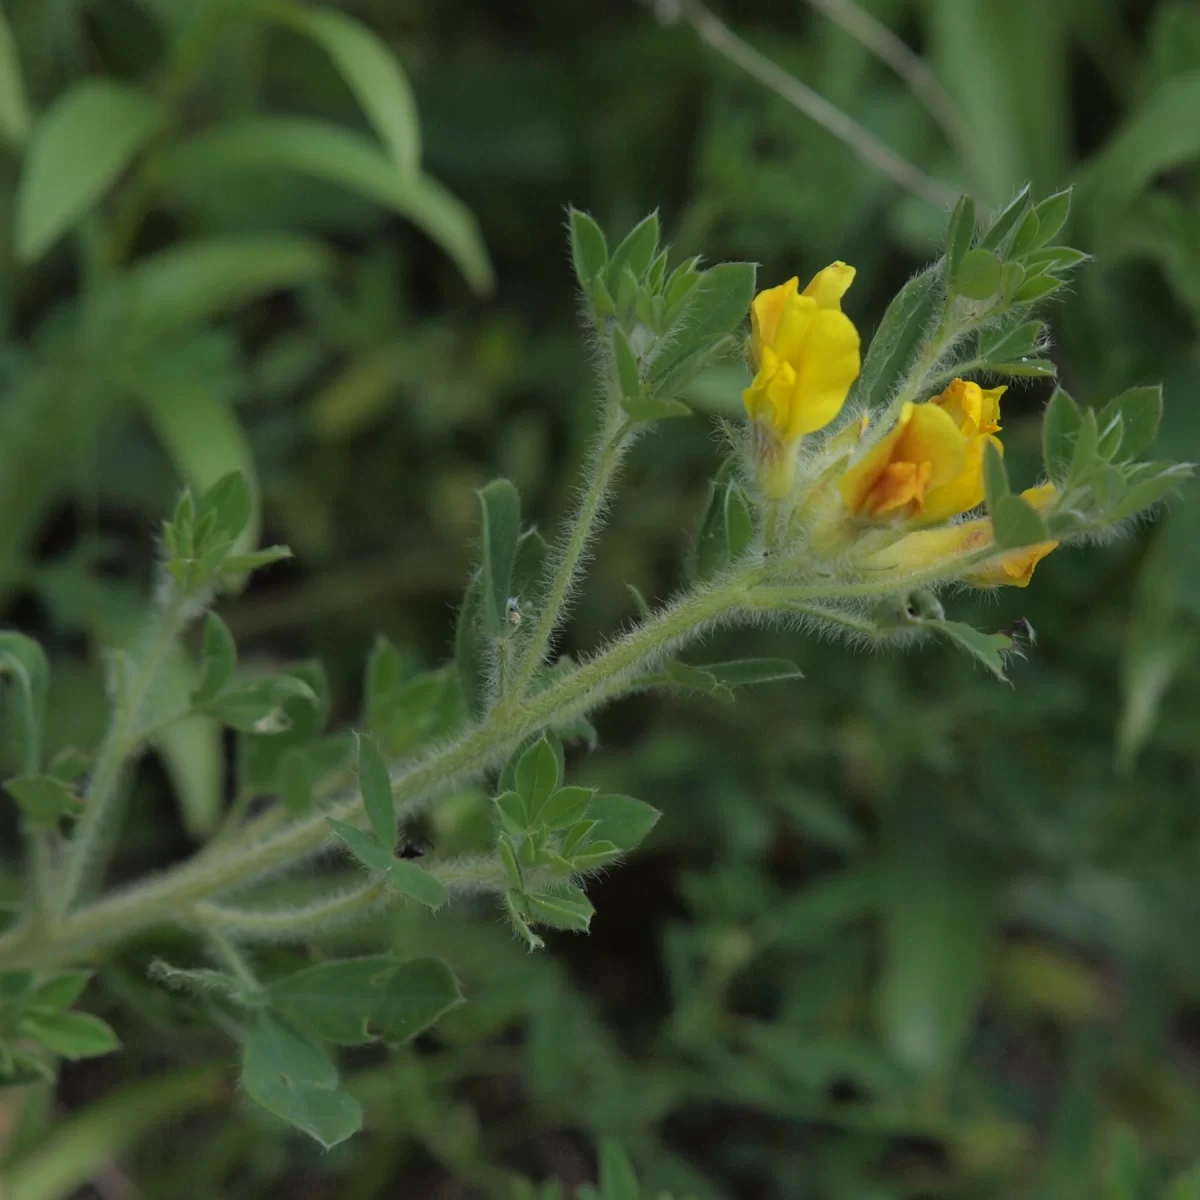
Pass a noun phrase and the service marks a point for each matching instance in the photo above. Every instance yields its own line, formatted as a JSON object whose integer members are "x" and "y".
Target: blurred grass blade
{"x": 337, "y": 155}
{"x": 199, "y": 432}
{"x": 14, "y": 108}
{"x": 77, "y": 150}
{"x": 1163, "y": 134}
{"x": 371, "y": 72}
{"x": 81, "y": 1145}
{"x": 195, "y": 281}
{"x": 938, "y": 912}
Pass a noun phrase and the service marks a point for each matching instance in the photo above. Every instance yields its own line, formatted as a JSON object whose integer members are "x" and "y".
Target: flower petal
{"x": 829, "y": 286}
{"x": 826, "y": 371}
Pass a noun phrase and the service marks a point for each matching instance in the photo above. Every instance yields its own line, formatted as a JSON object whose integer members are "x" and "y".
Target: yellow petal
{"x": 933, "y": 437}
{"x": 1014, "y": 569}
{"x": 793, "y": 327}
{"x": 963, "y": 492}
{"x": 929, "y": 547}
{"x": 765, "y": 311}
{"x": 1039, "y": 497}
{"x": 830, "y": 285}
{"x": 975, "y": 410}
{"x": 825, "y": 373}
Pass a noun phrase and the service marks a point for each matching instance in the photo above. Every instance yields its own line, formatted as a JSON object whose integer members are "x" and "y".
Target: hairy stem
{"x": 174, "y": 894}
{"x": 123, "y": 739}
{"x": 460, "y": 875}
{"x": 565, "y": 563}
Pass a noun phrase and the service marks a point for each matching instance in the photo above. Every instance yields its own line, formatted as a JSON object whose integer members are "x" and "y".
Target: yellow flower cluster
{"x": 925, "y": 470}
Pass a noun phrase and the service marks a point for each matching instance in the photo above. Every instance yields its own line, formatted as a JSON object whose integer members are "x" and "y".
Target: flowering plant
{"x": 858, "y": 488}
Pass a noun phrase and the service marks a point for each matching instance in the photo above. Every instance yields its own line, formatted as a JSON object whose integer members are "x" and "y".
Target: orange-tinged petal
{"x": 862, "y": 476}
{"x": 829, "y": 286}
{"x": 1014, "y": 569}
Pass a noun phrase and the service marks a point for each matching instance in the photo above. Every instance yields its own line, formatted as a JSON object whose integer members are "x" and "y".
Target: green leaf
{"x": 61, "y": 991}
{"x": 595, "y": 855}
{"x": 242, "y": 564}
{"x": 354, "y": 1001}
{"x": 628, "y": 375}
{"x": 363, "y": 845}
{"x": 417, "y": 883}
{"x": 376, "y": 786}
{"x": 1140, "y": 411}
{"x": 1036, "y": 288}
{"x": 336, "y": 155}
{"x": 1148, "y": 488}
{"x": 1016, "y": 522}
{"x": 566, "y": 909}
{"x": 292, "y": 1078}
{"x": 260, "y": 707}
{"x": 617, "y": 1178}
{"x": 636, "y": 252}
{"x": 987, "y": 648}
{"x": 995, "y": 476}
{"x": 644, "y": 409}
{"x": 1007, "y": 222}
{"x": 538, "y": 775}
{"x": 1087, "y": 441}
{"x": 528, "y": 576}
{"x": 1031, "y": 368}
{"x": 959, "y": 234}
{"x": 1012, "y": 343}
{"x": 198, "y": 280}
{"x": 938, "y": 912}
{"x": 1027, "y": 234}
{"x": 14, "y": 108}
{"x": 716, "y": 306}
{"x": 71, "y": 1034}
{"x": 1052, "y": 215}
{"x": 898, "y": 338}
{"x": 745, "y": 671}
{"x": 23, "y": 662}
{"x": 370, "y": 70}
{"x": 978, "y": 275}
{"x": 589, "y": 250}
{"x": 500, "y": 509}
{"x": 621, "y": 820}
{"x": 220, "y": 657}
{"x": 727, "y": 530}
{"x": 514, "y": 816}
{"x": 471, "y": 650}
{"x": 566, "y": 806}
{"x": 78, "y": 148}
{"x": 1060, "y": 427}
{"x": 43, "y": 799}
{"x": 229, "y": 502}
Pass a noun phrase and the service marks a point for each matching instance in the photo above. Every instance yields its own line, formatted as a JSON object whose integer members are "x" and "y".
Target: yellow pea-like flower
{"x": 806, "y": 354}
{"x": 929, "y": 547}
{"x": 929, "y": 466}
{"x": 909, "y": 470}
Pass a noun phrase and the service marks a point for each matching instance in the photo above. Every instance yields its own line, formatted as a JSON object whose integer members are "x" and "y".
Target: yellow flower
{"x": 919, "y": 471}
{"x": 909, "y": 471}
{"x": 806, "y": 354}
{"x": 929, "y": 547}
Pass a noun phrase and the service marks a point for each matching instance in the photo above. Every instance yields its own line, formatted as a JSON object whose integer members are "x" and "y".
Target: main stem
{"x": 120, "y": 742}
{"x": 566, "y": 564}
{"x": 171, "y": 895}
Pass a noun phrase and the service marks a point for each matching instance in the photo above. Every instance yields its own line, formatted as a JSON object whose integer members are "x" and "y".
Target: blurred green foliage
{"x": 902, "y": 931}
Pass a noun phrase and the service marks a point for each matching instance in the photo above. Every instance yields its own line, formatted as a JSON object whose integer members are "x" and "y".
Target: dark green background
{"x": 902, "y": 931}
